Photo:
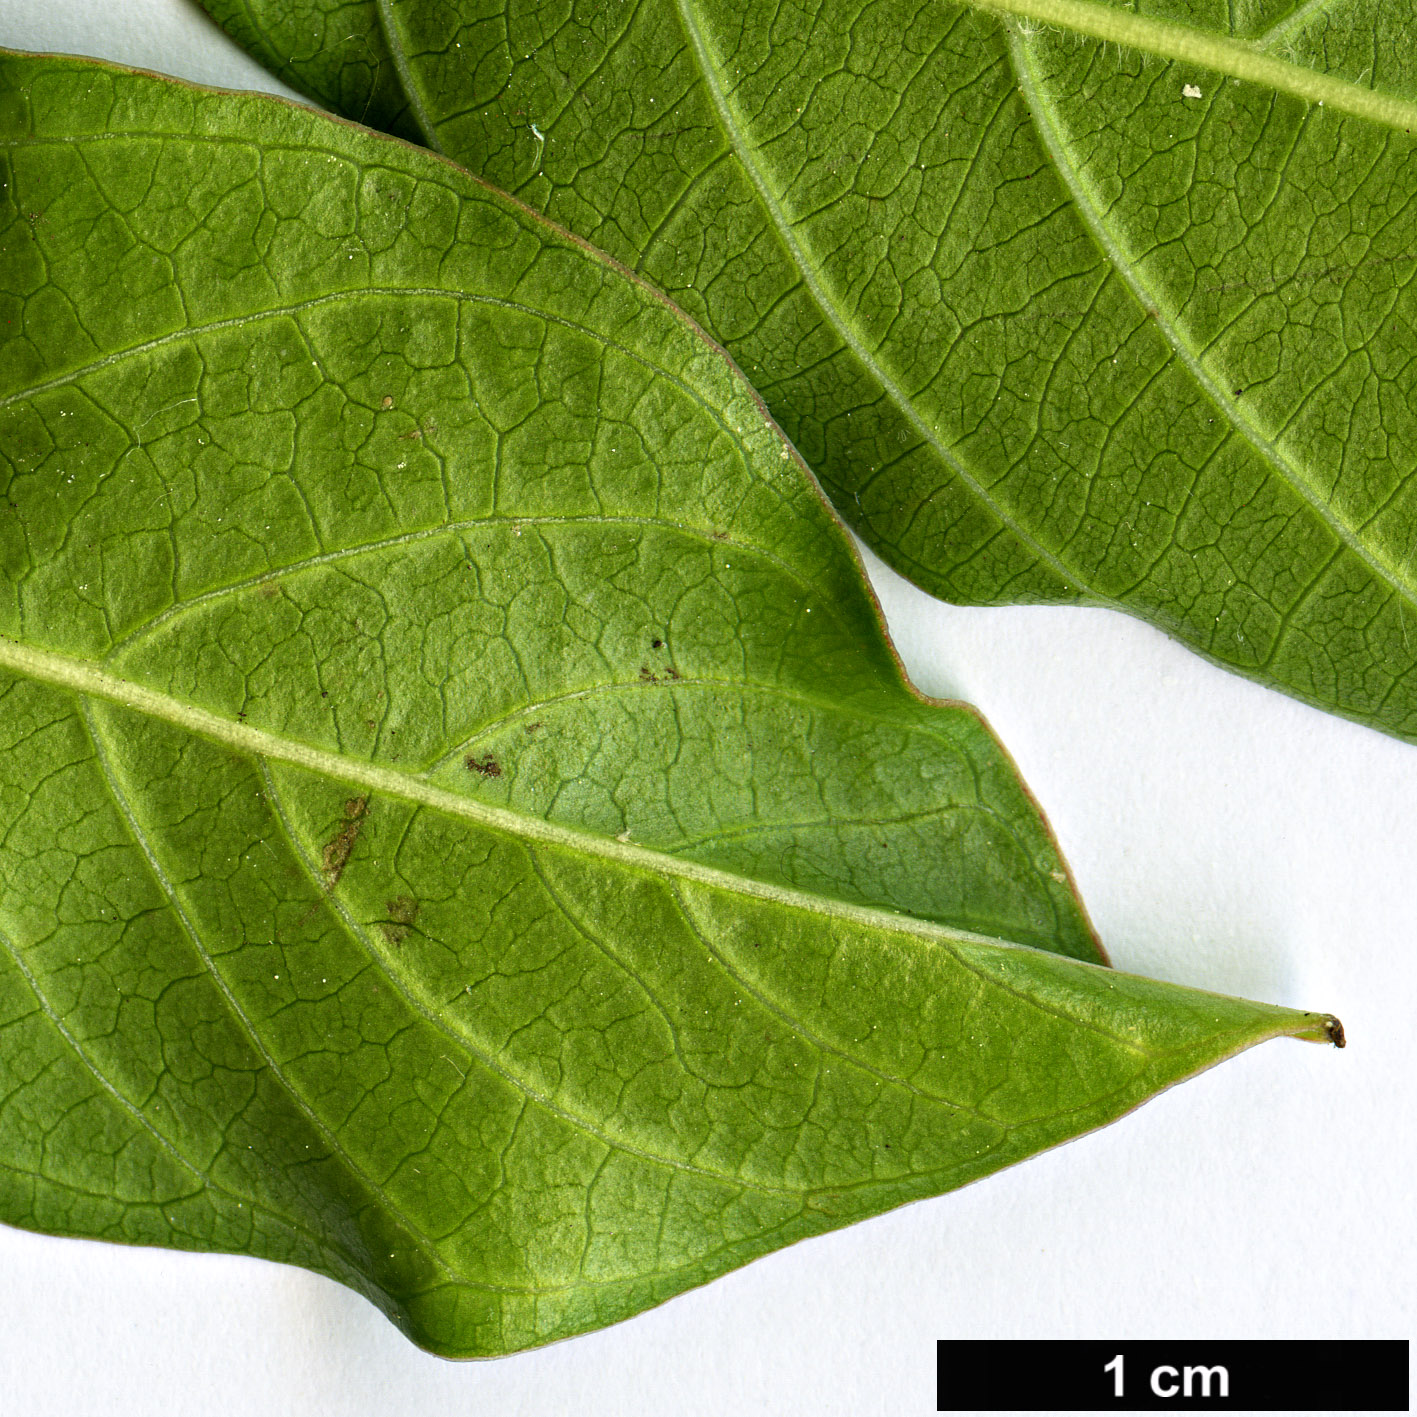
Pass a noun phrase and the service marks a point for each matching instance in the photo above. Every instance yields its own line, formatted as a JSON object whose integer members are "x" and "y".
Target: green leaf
{"x": 456, "y": 790}
{"x": 1063, "y": 301}
{"x": 335, "y": 52}
{"x": 509, "y": 541}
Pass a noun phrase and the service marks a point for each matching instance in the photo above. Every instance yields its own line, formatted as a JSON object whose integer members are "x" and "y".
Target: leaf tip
{"x": 1322, "y": 1028}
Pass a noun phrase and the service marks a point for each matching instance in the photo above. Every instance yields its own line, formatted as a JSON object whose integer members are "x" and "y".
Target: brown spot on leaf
{"x": 270, "y": 589}
{"x": 335, "y": 856}
{"x": 533, "y": 727}
{"x": 488, "y": 766}
{"x": 387, "y": 401}
{"x": 656, "y": 644}
{"x": 402, "y": 911}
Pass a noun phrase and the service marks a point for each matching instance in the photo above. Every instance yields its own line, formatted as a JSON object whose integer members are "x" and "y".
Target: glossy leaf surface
{"x": 1063, "y": 301}
{"x": 451, "y": 770}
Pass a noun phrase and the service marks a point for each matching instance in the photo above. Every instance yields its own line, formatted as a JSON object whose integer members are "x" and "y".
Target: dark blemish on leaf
{"x": 1238, "y": 392}
{"x": 647, "y": 675}
{"x": 656, "y": 644}
{"x": 402, "y": 911}
{"x": 672, "y": 673}
{"x": 241, "y": 715}
{"x": 336, "y": 853}
{"x": 324, "y": 693}
{"x": 270, "y": 589}
{"x": 532, "y": 727}
{"x": 720, "y": 536}
{"x": 488, "y": 766}
{"x": 1336, "y": 1036}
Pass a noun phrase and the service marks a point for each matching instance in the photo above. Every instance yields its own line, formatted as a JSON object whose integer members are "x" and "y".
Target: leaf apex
{"x": 1320, "y": 1028}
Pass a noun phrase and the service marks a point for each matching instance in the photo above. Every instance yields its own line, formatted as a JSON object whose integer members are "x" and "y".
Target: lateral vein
{"x": 1044, "y": 114}
{"x": 1235, "y": 57}
{"x": 883, "y": 376}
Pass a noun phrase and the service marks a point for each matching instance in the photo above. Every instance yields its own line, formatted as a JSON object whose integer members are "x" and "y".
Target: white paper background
{"x": 1222, "y": 836}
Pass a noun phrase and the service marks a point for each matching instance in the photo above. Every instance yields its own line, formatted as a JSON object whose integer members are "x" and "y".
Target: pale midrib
{"x": 1090, "y": 210}
{"x": 827, "y": 304}
{"x": 83, "y": 677}
{"x": 87, "y": 679}
{"x": 1235, "y": 57}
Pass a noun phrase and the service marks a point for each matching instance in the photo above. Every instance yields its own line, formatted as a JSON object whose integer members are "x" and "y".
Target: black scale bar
{"x": 1042, "y": 1375}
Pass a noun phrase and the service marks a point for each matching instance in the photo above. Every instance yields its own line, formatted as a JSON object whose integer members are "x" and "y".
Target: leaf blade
{"x": 949, "y": 1123}
{"x": 280, "y": 976}
{"x": 789, "y": 560}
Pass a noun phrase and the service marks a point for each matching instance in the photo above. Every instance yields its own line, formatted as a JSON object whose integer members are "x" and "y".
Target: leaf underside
{"x": 1063, "y": 301}
{"x": 454, "y": 784}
